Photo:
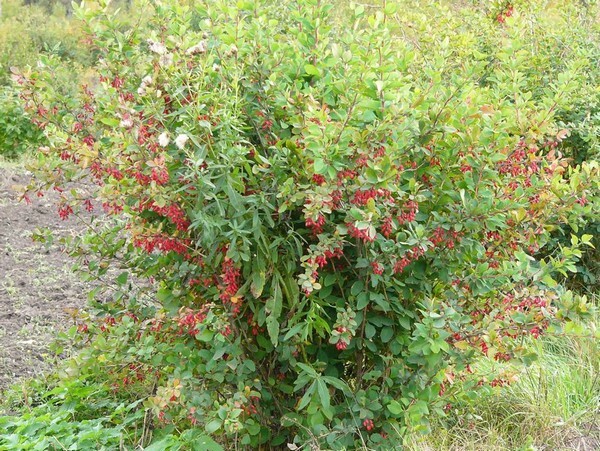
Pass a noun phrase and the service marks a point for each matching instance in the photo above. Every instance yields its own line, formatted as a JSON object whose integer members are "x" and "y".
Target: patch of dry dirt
{"x": 38, "y": 290}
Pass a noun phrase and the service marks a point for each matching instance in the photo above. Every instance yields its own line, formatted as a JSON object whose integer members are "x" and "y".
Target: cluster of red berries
{"x": 518, "y": 163}
{"x": 499, "y": 382}
{"x": 387, "y": 227}
{"x": 322, "y": 259}
{"x": 97, "y": 171}
{"x": 368, "y": 424}
{"x": 529, "y": 304}
{"x": 89, "y": 140}
{"x": 144, "y": 134}
{"x": 117, "y": 82}
{"x": 226, "y": 331}
{"x": 189, "y": 320}
{"x": 255, "y": 329}
{"x": 341, "y": 345}
{"x": 360, "y": 234}
{"x": 414, "y": 254}
{"x": 410, "y": 212}
{"x": 251, "y": 407}
{"x": 115, "y": 173}
{"x": 484, "y": 347}
{"x": 109, "y": 321}
{"x": 378, "y": 268}
{"x": 318, "y": 179}
{"x": 126, "y": 97}
{"x": 112, "y": 208}
{"x": 508, "y": 12}
{"x": 502, "y": 357}
{"x": 401, "y": 264}
{"x": 160, "y": 176}
{"x": 140, "y": 177}
{"x": 64, "y": 211}
{"x": 172, "y": 212}
{"x": 65, "y": 155}
{"x": 136, "y": 374}
{"x": 440, "y": 236}
{"x": 491, "y": 255}
{"x": 536, "y": 331}
{"x": 230, "y": 276}
{"x": 316, "y": 225}
{"x": 362, "y": 197}
{"x": 162, "y": 243}
{"x": 88, "y": 205}
{"x": 346, "y": 174}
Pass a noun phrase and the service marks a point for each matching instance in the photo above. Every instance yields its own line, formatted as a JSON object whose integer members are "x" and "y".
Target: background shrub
{"x": 26, "y": 32}
{"x": 17, "y": 133}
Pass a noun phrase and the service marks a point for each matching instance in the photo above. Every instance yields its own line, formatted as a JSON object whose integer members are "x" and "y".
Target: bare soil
{"x": 38, "y": 291}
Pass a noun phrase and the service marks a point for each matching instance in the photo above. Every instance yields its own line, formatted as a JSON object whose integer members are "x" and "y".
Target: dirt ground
{"x": 38, "y": 290}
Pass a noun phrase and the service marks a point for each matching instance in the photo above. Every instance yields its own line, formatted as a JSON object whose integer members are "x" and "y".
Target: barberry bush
{"x": 317, "y": 229}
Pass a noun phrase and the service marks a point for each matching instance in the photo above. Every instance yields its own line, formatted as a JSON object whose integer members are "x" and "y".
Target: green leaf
{"x": 110, "y": 121}
{"x": 371, "y": 176}
{"x": 587, "y": 240}
{"x": 311, "y": 69}
{"x": 294, "y": 331}
{"x": 273, "y": 330}
{"x": 253, "y": 428}
{"x": 307, "y": 396}
{"x": 386, "y": 334}
{"x": 369, "y": 331}
{"x": 320, "y": 166}
{"x": 258, "y": 283}
{"x": 357, "y": 287}
{"x": 337, "y": 383}
{"x": 395, "y": 407}
{"x": 308, "y": 370}
{"x": 362, "y": 300}
{"x": 165, "y": 443}
{"x": 201, "y": 442}
{"x": 549, "y": 281}
{"x": 273, "y": 307}
{"x": 122, "y": 279}
{"x": 213, "y": 426}
{"x": 323, "y": 394}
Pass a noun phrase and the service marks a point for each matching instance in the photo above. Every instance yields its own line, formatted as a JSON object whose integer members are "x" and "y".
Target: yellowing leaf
{"x": 462, "y": 345}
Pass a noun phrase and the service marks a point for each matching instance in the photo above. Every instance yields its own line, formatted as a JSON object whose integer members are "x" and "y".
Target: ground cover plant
{"x": 320, "y": 230}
